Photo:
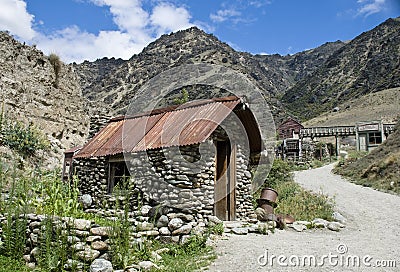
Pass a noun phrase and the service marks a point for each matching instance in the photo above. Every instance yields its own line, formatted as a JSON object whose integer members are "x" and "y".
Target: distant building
{"x": 370, "y": 134}
{"x": 289, "y": 129}
{"x": 289, "y": 132}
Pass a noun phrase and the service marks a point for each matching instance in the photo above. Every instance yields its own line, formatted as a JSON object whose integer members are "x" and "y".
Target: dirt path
{"x": 372, "y": 234}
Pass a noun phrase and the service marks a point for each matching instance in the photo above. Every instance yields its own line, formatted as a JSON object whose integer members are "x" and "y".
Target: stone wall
{"x": 92, "y": 174}
{"x": 179, "y": 177}
{"x": 88, "y": 241}
{"x": 244, "y": 204}
{"x": 97, "y": 122}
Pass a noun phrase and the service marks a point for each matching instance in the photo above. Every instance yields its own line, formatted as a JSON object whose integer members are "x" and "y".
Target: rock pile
{"x": 268, "y": 226}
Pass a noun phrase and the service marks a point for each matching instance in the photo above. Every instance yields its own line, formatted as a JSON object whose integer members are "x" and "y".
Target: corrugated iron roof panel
{"x": 99, "y": 140}
{"x": 129, "y": 135}
{"x": 188, "y": 124}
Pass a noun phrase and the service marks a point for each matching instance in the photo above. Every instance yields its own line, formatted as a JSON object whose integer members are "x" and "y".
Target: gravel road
{"x": 371, "y": 236}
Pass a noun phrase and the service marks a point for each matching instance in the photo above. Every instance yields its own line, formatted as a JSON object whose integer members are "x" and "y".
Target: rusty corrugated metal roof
{"x": 73, "y": 149}
{"x": 187, "y": 124}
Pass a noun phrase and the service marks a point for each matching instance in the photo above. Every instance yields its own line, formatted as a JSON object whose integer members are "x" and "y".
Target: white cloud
{"x": 72, "y": 44}
{"x": 370, "y": 7}
{"x": 259, "y": 3}
{"x": 129, "y": 16}
{"x": 15, "y": 18}
{"x": 166, "y": 17}
{"x": 224, "y": 14}
{"x": 136, "y": 28}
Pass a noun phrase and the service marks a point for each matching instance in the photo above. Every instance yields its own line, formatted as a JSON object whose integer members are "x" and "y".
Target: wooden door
{"x": 225, "y": 182}
{"x": 363, "y": 142}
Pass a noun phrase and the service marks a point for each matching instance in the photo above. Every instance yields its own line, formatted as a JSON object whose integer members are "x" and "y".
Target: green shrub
{"x": 22, "y": 138}
{"x": 183, "y": 99}
{"x": 292, "y": 198}
{"x": 16, "y": 208}
{"x": 8, "y": 264}
{"x": 216, "y": 229}
{"x": 54, "y": 250}
{"x": 55, "y": 197}
{"x": 123, "y": 252}
{"x": 193, "y": 255}
{"x": 57, "y": 64}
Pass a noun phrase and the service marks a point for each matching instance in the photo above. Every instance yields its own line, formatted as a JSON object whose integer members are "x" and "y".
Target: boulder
{"x": 88, "y": 254}
{"x": 145, "y": 210}
{"x": 185, "y": 229}
{"x": 240, "y": 231}
{"x": 101, "y": 265}
{"x": 144, "y": 226}
{"x": 164, "y": 231}
{"x": 339, "y": 218}
{"x": 334, "y": 226}
{"x": 147, "y": 265}
{"x": 214, "y": 220}
{"x": 81, "y": 224}
{"x": 162, "y": 221}
{"x": 298, "y": 227}
{"x": 319, "y": 223}
{"x": 99, "y": 245}
{"x": 86, "y": 201}
{"x": 175, "y": 223}
{"x": 101, "y": 231}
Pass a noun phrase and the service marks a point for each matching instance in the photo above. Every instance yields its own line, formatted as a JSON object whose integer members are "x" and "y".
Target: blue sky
{"x": 80, "y": 30}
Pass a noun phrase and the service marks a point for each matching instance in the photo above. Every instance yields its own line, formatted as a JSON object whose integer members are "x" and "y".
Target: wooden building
{"x": 369, "y": 135}
{"x": 289, "y": 129}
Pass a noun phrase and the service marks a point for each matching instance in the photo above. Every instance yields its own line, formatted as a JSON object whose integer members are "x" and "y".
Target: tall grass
{"x": 15, "y": 208}
{"x": 43, "y": 192}
{"x": 292, "y": 198}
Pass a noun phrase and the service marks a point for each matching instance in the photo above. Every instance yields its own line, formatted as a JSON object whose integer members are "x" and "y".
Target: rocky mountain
{"x": 44, "y": 92}
{"x": 183, "y": 47}
{"x": 95, "y": 71}
{"x": 118, "y": 81}
{"x": 369, "y": 63}
{"x": 298, "y": 66}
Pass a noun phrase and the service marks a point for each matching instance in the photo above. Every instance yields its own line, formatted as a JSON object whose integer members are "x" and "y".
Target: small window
{"x": 118, "y": 177}
{"x": 374, "y": 138}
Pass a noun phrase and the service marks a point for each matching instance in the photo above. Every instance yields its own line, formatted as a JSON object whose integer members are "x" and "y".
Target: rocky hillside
{"x": 183, "y": 47}
{"x": 273, "y": 74}
{"x": 89, "y": 72}
{"x": 42, "y": 93}
{"x": 382, "y": 105}
{"x": 380, "y": 168}
{"x": 298, "y": 66}
{"x": 310, "y": 82}
{"x": 369, "y": 63}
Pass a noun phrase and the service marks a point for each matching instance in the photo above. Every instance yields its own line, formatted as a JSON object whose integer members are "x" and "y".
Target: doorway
{"x": 225, "y": 181}
{"x": 362, "y": 142}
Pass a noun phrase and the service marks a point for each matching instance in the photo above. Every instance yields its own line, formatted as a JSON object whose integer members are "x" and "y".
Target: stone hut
{"x": 194, "y": 157}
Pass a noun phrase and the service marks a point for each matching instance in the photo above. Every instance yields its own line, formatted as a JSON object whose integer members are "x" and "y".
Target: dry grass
{"x": 383, "y": 105}
{"x": 379, "y": 169}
